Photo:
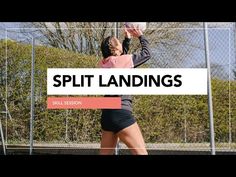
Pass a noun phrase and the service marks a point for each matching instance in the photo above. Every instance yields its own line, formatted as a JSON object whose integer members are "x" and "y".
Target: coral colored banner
{"x": 84, "y": 103}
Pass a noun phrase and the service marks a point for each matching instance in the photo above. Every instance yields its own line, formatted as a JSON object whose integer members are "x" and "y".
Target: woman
{"x": 120, "y": 123}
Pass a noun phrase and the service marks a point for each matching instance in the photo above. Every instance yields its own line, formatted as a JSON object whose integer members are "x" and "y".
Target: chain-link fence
{"x": 168, "y": 122}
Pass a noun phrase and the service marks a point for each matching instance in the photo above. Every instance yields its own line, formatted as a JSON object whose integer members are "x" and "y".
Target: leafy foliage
{"x": 161, "y": 118}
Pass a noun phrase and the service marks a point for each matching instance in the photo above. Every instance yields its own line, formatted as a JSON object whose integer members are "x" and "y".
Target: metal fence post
{"x": 210, "y": 106}
{"x": 2, "y": 138}
{"x": 230, "y": 123}
{"x": 32, "y": 97}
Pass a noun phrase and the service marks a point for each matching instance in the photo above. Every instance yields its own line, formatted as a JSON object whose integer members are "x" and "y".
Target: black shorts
{"x": 116, "y": 120}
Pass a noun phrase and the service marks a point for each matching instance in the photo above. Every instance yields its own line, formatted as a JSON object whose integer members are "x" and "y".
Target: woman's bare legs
{"x": 108, "y": 143}
{"x": 133, "y": 138}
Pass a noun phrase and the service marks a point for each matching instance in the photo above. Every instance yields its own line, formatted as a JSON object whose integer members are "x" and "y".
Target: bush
{"x": 161, "y": 118}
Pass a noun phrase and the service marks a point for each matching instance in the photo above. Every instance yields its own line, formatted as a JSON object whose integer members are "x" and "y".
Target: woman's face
{"x": 116, "y": 45}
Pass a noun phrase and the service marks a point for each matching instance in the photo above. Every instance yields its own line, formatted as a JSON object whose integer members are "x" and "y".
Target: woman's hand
{"x": 135, "y": 31}
{"x": 127, "y": 33}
